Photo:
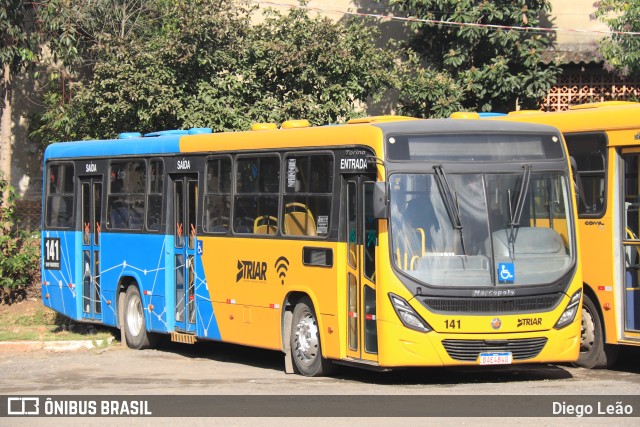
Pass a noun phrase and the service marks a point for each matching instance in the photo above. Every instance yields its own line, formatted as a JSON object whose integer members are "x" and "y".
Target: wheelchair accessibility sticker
{"x": 506, "y": 272}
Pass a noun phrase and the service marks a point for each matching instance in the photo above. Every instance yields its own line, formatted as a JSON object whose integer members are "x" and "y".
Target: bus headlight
{"x": 569, "y": 313}
{"x": 408, "y": 315}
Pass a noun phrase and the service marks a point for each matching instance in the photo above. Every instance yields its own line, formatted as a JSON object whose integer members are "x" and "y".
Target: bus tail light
{"x": 569, "y": 313}
{"x": 408, "y": 315}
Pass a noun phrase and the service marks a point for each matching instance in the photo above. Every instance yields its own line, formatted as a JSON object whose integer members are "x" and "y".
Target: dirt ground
{"x": 28, "y": 306}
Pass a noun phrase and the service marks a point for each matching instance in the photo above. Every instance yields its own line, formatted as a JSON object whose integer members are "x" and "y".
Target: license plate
{"x": 504, "y": 358}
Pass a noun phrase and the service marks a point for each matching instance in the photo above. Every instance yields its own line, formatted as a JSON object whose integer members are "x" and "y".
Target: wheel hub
{"x": 134, "y": 316}
{"x": 588, "y": 331}
{"x": 306, "y": 339}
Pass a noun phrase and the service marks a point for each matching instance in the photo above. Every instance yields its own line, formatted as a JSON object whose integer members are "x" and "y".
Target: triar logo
{"x": 536, "y": 321}
{"x": 251, "y": 270}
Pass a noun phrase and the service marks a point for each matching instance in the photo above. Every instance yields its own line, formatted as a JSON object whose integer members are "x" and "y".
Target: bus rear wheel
{"x": 594, "y": 352}
{"x": 305, "y": 342}
{"x": 135, "y": 329}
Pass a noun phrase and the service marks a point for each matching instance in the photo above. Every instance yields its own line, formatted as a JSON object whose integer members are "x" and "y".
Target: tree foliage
{"x": 18, "y": 44}
{"x": 621, "y": 52}
{"x": 19, "y": 252}
{"x": 203, "y": 64}
{"x": 496, "y": 69}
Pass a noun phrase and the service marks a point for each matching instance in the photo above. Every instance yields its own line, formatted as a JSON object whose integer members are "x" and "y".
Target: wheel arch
{"x": 286, "y": 318}
{"x": 589, "y": 292}
{"x": 124, "y": 282}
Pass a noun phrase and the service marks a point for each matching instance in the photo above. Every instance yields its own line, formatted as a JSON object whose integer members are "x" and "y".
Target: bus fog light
{"x": 569, "y": 313}
{"x": 408, "y": 315}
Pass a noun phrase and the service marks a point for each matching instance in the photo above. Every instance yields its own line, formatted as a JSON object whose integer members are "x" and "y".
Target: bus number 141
{"x": 452, "y": 324}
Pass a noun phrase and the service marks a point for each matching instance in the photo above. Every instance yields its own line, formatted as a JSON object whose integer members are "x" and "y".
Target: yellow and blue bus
{"x": 384, "y": 242}
{"x": 603, "y": 140}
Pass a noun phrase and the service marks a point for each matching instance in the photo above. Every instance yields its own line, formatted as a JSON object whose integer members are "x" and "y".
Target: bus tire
{"x": 135, "y": 330}
{"x": 306, "y": 349}
{"x": 594, "y": 352}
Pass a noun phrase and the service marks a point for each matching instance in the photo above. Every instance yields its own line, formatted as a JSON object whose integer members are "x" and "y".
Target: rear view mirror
{"x": 380, "y": 205}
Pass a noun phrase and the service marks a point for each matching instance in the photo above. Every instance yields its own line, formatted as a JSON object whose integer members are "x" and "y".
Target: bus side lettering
{"x": 251, "y": 270}
{"x": 184, "y": 164}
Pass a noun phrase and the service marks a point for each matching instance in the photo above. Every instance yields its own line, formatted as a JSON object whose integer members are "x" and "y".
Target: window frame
{"x": 307, "y": 195}
{"x": 236, "y": 194}
{"x": 48, "y": 196}
{"x": 603, "y": 143}
{"x": 149, "y": 162}
{"x": 128, "y": 195}
{"x": 207, "y": 193}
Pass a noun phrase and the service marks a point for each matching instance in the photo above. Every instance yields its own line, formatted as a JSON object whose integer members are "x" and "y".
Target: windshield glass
{"x": 480, "y": 229}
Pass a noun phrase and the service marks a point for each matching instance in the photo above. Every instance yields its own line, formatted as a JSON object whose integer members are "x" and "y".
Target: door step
{"x": 183, "y": 338}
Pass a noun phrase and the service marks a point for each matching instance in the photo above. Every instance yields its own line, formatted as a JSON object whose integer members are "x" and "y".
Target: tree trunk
{"x": 5, "y": 135}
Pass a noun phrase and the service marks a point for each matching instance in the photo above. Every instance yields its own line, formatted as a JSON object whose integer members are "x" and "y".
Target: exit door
{"x": 362, "y": 239}
{"x": 90, "y": 214}
{"x": 185, "y": 202}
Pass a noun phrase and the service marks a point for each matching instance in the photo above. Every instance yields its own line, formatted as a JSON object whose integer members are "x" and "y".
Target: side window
{"x": 631, "y": 191}
{"x": 307, "y": 199}
{"x": 588, "y": 153}
{"x": 154, "y": 197}
{"x": 545, "y": 195}
{"x": 256, "y": 197}
{"x": 125, "y": 201}
{"x": 59, "y": 199}
{"x": 217, "y": 199}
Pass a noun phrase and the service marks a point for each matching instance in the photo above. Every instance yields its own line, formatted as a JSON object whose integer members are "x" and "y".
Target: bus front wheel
{"x": 305, "y": 341}
{"x": 594, "y": 352}
{"x": 135, "y": 329}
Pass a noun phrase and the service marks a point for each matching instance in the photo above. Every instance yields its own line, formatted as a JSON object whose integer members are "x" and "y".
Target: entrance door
{"x": 630, "y": 201}
{"x": 185, "y": 202}
{"x": 90, "y": 214}
{"x": 362, "y": 238}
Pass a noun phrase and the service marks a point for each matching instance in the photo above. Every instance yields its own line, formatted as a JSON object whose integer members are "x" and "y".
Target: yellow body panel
{"x": 249, "y": 309}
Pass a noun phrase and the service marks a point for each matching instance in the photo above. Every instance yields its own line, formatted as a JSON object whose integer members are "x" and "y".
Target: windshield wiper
{"x": 516, "y": 214}
{"x": 450, "y": 203}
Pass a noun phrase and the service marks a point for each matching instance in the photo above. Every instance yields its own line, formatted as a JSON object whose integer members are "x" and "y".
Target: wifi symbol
{"x": 282, "y": 266}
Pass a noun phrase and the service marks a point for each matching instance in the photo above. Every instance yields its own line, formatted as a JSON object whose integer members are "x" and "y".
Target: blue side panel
{"x": 206, "y": 325}
{"x": 109, "y": 300}
{"x": 141, "y": 257}
{"x": 60, "y": 285}
{"x": 115, "y": 147}
{"x": 148, "y": 259}
{"x": 490, "y": 114}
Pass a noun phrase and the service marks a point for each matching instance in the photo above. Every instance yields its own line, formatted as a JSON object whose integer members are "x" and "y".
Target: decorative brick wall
{"x": 580, "y": 87}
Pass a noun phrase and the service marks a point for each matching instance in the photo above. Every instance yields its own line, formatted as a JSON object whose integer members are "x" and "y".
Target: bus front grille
{"x": 493, "y": 305}
{"x": 469, "y": 350}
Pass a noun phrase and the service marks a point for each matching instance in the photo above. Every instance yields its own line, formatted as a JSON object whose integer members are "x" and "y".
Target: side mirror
{"x": 380, "y": 201}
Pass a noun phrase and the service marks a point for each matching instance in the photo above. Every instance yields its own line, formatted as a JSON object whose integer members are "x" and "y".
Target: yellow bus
{"x": 603, "y": 140}
{"x": 385, "y": 242}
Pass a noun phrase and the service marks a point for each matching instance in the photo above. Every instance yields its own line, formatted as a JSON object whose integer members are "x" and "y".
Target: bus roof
{"x": 584, "y": 118}
{"x": 359, "y": 133}
{"x": 114, "y": 147}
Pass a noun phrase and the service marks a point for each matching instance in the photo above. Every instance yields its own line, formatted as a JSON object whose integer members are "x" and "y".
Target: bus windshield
{"x": 481, "y": 229}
